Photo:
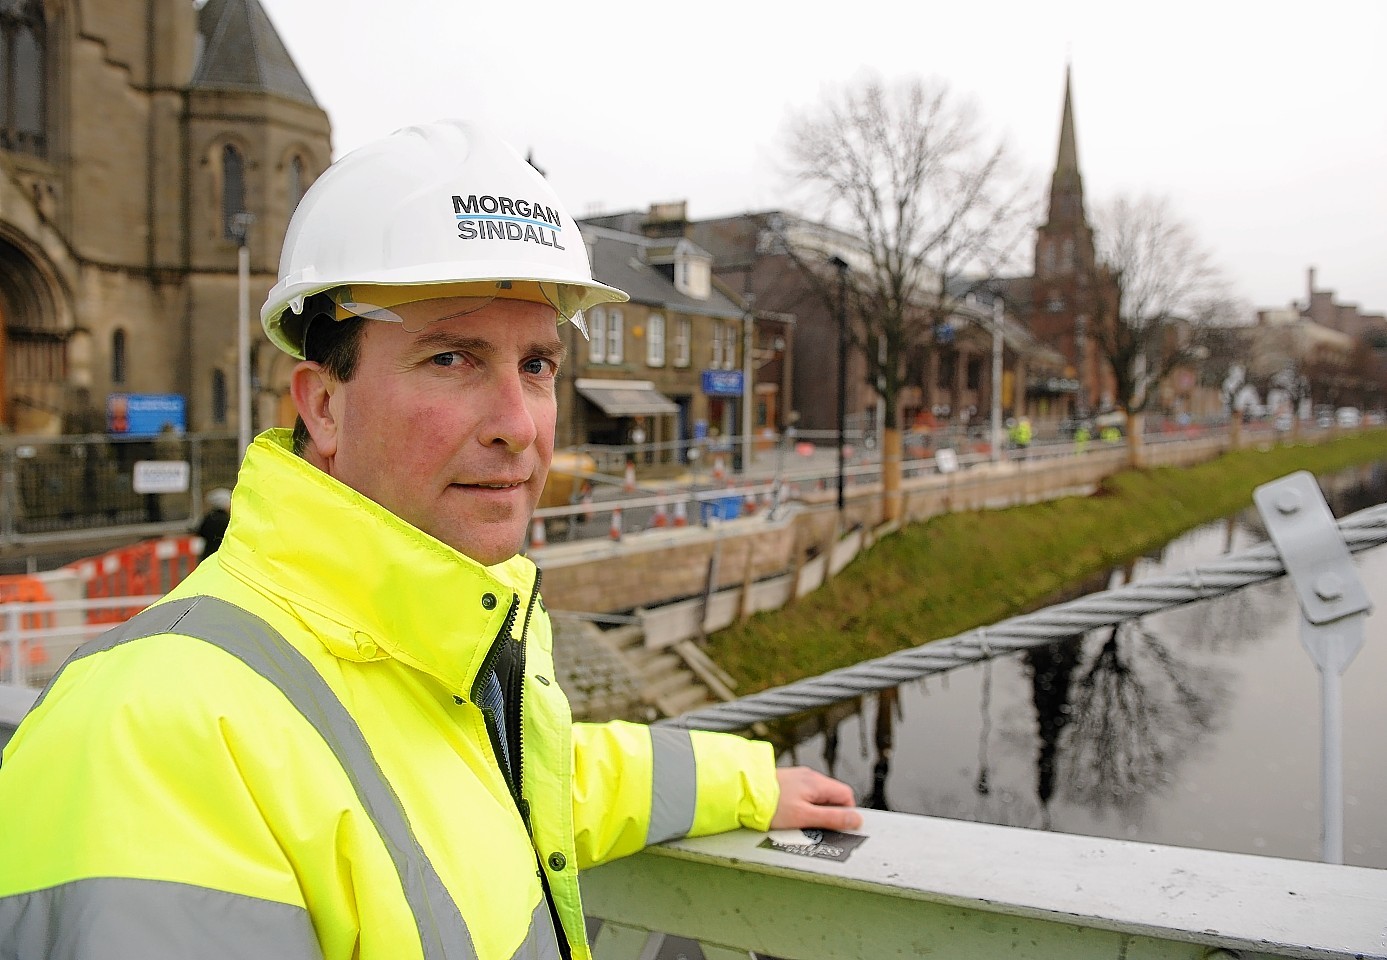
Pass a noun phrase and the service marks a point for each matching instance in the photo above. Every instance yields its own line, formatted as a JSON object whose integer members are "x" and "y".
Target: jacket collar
{"x": 370, "y": 585}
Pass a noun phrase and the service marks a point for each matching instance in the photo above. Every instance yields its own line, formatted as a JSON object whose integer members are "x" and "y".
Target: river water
{"x": 1198, "y": 726}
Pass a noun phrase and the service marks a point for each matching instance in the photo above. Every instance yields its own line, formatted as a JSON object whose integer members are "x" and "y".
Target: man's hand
{"x": 810, "y": 799}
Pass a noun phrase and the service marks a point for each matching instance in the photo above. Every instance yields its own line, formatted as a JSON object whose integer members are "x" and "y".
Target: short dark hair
{"x": 333, "y": 344}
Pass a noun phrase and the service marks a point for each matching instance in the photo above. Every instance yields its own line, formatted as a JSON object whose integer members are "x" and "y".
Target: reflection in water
{"x": 982, "y": 787}
{"x": 888, "y": 703}
{"x": 1180, "y": 726}
{"x": 1135, "y": 707}
{"x": 1051, "y": 669}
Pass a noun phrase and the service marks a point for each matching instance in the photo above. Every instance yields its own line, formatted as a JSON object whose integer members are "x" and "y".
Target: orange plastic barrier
{"x": 21, "y": 588}
{"x": 150, "y": 568}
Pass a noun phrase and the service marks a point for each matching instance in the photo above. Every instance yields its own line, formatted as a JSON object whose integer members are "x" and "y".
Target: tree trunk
{"x": 891, "y": 474}
{"x": 1136, "y": 426}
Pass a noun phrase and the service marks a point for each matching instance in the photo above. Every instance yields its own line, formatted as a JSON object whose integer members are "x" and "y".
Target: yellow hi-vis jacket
{"x": 336, "y": 792}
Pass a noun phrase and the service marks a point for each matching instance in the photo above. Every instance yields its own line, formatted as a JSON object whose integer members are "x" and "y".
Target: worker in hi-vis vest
{"x": 341, "y": 736}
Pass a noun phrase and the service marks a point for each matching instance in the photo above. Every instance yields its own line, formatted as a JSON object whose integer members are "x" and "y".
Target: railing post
{"x": 12, "y": 635}
{"x": 1333, "y": 605}
{"x": 9, "y": 498}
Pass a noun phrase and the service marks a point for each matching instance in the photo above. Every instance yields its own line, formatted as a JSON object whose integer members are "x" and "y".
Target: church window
{"x": 218, "y": 397}
{"x": 233, "y": 191}
{"x": 118, "y": 363}
{"x": 23, "y": 77}
{"x": 1067, "y": 256}
{"x": 296, "y": 184}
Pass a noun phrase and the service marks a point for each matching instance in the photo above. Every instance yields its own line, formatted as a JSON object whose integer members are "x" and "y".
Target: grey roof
{"x": 242, "y": 51}
{"x": 619, "y": 259}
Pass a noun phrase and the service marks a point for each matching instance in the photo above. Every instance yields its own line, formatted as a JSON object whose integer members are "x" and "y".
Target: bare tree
{"x": 904, "y": 169}
{"x": 1157, "y": 294}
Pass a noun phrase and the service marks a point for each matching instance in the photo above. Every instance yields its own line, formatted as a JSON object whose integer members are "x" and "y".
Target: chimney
{"x": 667, "y": 220}
{"x": 1311, "y": 296}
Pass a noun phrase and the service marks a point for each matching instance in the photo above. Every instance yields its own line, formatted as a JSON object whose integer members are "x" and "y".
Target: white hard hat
{"x": 220, "y": 498}
{"x": 441, "y": 203}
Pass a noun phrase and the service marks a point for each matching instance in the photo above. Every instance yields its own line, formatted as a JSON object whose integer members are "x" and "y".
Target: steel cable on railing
{"x": 1361, "y": 531}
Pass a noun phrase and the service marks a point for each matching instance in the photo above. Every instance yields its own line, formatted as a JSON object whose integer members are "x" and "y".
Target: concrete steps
{"x": 667, "y": 679}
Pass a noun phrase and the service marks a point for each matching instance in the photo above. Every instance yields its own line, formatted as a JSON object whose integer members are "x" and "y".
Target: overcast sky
{"x": 1265, "y": 123}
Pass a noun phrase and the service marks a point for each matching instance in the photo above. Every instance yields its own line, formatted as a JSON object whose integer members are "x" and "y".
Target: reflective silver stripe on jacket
{"x": 674, "y": 790}
{"x": 127, "y": 919}
{"x": 443, "y": 933}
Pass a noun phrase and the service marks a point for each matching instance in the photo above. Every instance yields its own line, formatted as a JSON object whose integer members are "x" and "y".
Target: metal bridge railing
{"x": 1361, "y": 531}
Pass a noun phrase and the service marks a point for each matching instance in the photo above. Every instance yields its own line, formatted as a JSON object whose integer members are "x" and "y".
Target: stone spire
{"x": 1069, "y": 154}
{"x": 1067, "y": 185}
{"x": 241, "y": 50}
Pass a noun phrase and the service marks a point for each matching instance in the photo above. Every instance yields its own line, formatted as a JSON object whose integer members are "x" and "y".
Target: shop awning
{"x": 626, "y": 398}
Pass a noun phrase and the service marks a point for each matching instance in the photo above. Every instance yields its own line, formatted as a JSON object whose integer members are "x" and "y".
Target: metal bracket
{"x": 1333, "y": 606}
{"x": 1316, "y": 558}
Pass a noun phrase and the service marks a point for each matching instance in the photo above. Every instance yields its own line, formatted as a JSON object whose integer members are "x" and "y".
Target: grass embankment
{"x": 963, "y": 570}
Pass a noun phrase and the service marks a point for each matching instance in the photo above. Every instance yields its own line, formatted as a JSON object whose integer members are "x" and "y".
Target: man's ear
{"x": 312, "y": 388}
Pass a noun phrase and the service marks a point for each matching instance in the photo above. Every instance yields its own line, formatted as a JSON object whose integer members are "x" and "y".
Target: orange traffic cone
{"x": 615, "y": 531}
{"x": 628, "y": 483}
{"x": 719, "y": 468}
{"x": 660, "y": 519}
{"x": 748, "y": 504}
{"x": 539, "y": 537}
{"x": 587, "y": 502}
{"x": 681, "y": 518}
{"x": 767, "y": 499}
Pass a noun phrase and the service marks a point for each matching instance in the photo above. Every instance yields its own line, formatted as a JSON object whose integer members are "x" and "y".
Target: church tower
{"x": 1064, "y": 270}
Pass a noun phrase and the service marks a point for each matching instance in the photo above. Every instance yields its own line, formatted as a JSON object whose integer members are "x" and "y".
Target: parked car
{"x": 1348, "y": 417}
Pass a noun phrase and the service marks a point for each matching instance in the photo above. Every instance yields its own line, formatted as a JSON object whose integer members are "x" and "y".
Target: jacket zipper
{"x": 493, "y": 730}
{"x": 516, "y": 715}
{"x": 512, "y": 694}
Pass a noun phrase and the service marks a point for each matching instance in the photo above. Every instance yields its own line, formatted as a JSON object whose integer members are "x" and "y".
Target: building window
{"x": 1067, "y": 255}
{"x": 597, "y": 336}
{"x": 717, "y": 347}
{"x": 296, "y": 182}
{"x": 23, "y": 81}
{"x": 118, "y": 357}
{"x": 729, "y": 346}
{"x": 218, "y": 397}
{"x": 974, "y": 372}
{"x": 655, "y": 341}
{"x": 616, "y": 341}
{"x": 683, "y": 335}
{"x": 233, "y": 191}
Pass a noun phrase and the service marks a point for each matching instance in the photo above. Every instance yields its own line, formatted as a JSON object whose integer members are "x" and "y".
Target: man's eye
{"x": 444, "y": 359}
{"x": 539, "y": 366}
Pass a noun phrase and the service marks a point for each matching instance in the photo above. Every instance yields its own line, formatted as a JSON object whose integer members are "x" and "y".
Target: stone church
{"x": 142, "y": 142}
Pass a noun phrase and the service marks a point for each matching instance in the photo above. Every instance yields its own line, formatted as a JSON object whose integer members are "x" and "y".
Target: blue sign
{"x": 146, "y": 414}
{"x": 722, "y": 383}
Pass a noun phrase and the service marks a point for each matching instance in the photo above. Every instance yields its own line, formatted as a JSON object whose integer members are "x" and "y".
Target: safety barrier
{"x": 24, "y": 655}
{"x": 153, "y": 567}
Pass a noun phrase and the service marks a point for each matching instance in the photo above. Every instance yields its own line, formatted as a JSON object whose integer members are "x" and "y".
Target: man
{"x": 340, "y": 737}
{"x": 212, "y": 527}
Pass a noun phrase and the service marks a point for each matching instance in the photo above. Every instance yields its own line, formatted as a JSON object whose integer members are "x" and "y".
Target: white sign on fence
{"x": 945, "y": 460}
{"x": 161, "y": 476}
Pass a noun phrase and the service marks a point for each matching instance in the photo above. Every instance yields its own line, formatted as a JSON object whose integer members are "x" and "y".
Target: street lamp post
{"x": 240, "y": 225}
{"x": 841, "y": 266}
{"x": 748, "y": 349}
{"x": 998, "y": 309}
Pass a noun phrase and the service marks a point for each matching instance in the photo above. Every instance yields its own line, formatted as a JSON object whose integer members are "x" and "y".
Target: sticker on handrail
{"x": 819, "y": 844}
